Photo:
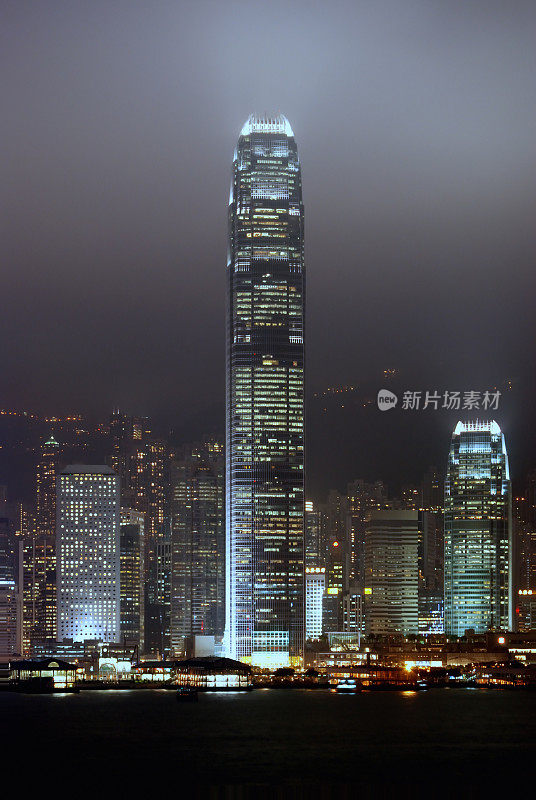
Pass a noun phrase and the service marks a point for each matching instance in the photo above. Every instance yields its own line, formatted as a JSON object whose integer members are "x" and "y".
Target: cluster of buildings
{"x": 128, "y": 553}
{"x": 451, "y": 556}
{"x": 160, "y": 544}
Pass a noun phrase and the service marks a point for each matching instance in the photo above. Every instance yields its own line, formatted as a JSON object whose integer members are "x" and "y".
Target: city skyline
{"x": 417, "y": 165}
{"x": 268, "y": 455}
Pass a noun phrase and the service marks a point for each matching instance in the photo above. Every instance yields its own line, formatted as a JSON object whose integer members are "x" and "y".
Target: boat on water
{"x": 187, "y": 694}
{"x": 348, "y": 686}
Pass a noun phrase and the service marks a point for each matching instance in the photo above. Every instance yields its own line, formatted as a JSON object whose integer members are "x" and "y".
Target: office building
{"x": 315, "y": 587}
{"x": 132, "y": 586}
{"x": 88, "y": 553}
{"x": 353, "y": 617}
{"x": 265, "y": 398}
{"x": 10, "y": 591}
{"x": 314, "y": 550}
{"x": 197, "y": 548}
{"x": 362, "y": 498}
{"x": 478, "y": 524}
{"x": 141, "y": 459}
{"x": 39, "y": 536}
{"x": 392, "y": 573}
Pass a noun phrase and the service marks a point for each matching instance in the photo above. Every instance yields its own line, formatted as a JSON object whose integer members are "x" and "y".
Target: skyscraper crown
{"x": 477, "y": 425}
{"x": 267, "y": 123}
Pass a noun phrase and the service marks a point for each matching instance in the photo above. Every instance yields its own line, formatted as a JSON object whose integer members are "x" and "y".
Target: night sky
{"x": 416, "y": 128}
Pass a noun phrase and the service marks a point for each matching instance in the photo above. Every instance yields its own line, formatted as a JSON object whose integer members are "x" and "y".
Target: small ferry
{"x": 348, "y": 686}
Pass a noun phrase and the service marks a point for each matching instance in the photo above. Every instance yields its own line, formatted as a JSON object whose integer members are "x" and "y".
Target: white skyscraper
{"x": 88, "y": 553}
{"x": 315, "y": 587}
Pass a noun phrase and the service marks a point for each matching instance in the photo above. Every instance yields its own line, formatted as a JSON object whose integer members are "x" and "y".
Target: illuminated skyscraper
{"x": 315, "y": 587}
{"x": 197, "y": 548}
{"x": 314, "y": 549}
{"x": 132, "y": 555}
{"x": 141, "y": 460}
{"x": 39, "y": 618}
{"x": 265, "y": 412}
{"x": 88, "y": 554}
{"x": 10, "y": 594}
{"x": 478, "y": 593}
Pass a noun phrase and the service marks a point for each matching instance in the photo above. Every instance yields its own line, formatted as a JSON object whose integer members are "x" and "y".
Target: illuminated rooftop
{"x": 267, "y": 123}
{"x": 87, "y": 469}
{"x": 476, "y": 425}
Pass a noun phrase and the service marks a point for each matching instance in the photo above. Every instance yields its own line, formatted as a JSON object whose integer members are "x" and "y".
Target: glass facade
{"x": 477, "y": 531}
{"x": 265, "y": 409}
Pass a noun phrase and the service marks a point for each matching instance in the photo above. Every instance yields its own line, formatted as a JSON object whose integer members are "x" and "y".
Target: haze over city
{"x": 416, "y": 137}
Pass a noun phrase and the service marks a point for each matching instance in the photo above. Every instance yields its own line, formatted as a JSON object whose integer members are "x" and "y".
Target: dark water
{"x": 455, "y": 743}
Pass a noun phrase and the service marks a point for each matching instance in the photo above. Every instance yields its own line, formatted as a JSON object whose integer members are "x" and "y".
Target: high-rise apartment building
{"x": 478, "y": 592}
{"x": 392, "y": 573}
{"x": 197, "y": 548}
{"x": 88, "y": 553}
{"x": 265, "y": 398}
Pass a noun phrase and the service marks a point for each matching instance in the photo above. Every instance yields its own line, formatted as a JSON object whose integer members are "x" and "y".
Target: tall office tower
{"x": 88, "y": 553}
{"x": 39, "y": 536}
{"x": 336, "y": 546}
{"x": 525, "y": 610}
{"x": 10, "y": 591}
{"x": 132, "y": 584}
{"x": 265, "y": 398}
{"x": 430, "y": 572}
{"x": 27, "y": 533}
{"x": 47, "y": 470}
{"x": 337, "y": 584}
{"x": 335, "y": 512}
{"x": 148, "y": 481}
{"x": 432, "y": 490}
{"x": 141, "y": 460}
{"x": 315, "y": 587}
{"x": 432, "y": 499}
{"x": 524, "y": 530}
{"x": 197, "y": 548}
{"x": 314, "y": 549}
{"x": 353, "y": 617}
{"x": 478, "y": 524}
{"x": 362, "y": 498}
{"x": 392, "y": 573}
